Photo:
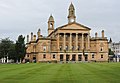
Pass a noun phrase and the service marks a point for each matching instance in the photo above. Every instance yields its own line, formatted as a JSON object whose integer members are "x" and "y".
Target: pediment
{"x": 74, "y": 26}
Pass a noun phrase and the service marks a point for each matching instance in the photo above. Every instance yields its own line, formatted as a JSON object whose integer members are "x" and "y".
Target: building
{"x": 115, "y": 47}
{"x": 68, "y": 43}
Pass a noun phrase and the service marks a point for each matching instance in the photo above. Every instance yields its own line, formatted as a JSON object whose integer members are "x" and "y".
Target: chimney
{"x": 27, "y": 38}
{"x": 31, "y": 36}
{"x": 34, "y": 38}
{"x": 96, "y": 35}
{"x": 38, "y": 33}
{"x": 102, "y": 33}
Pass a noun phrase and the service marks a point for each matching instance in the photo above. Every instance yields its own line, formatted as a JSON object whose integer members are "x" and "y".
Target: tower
{"x": 71, "y": 15}
{"x": 50, "y": 24}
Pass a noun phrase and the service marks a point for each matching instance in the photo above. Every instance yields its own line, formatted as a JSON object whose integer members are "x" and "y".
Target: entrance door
{"x": 79, "y": 57}
{"x": 86, "y": 57}
{"x": 34, "y": 59}
{"x": 73, "y": 57}
{"x": 61, "y": 57}
{"x": 67, "y": 57}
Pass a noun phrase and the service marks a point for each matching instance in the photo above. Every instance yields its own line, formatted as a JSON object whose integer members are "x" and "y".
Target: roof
{"x": 68, "y": 25}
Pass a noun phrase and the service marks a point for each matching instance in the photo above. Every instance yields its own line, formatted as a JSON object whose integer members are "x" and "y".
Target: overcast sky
{"x": 25, "y": 16}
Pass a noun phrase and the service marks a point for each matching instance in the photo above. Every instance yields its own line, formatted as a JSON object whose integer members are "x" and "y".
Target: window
{"x": 101, "y": 56}
{"x": 44, "y": 48}
{"x": 67, "y": 48}
{"x": 27, "y": 55}
{"x": 67, "y": 37}
{"x": 92, "y": 55}
{"x": 72, "y": 47}
{"x": 101, "y": 49}
{"x": 44, "y": 55}
{"x": 54, "y": 56}
{"x": 51, "y": 25}
{"x": 60, "y": 48}
{"x": 78, "y": 47}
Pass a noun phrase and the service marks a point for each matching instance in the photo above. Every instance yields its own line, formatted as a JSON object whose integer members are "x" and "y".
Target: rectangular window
{"x": 78, "y": 47}
{"x": 72, "y": 48}
{"x": 67, "y": 48}
{"x": 54, "y": 56}
{"x": 44, "y": 55}
{"x": 60, "y": 48}
{"x": 92, "y": 55}
{"x": 101, "y": 56}
{"x": 27, "y": 55}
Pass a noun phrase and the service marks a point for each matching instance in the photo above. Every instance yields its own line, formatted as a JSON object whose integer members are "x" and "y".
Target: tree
{"x": 12, "y": 53}
{"x": 5, "y": 45}
{"x": 20, "y": 48}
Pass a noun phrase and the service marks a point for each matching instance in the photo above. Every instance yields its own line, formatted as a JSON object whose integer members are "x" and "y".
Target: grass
{"x": 60, "y": 73}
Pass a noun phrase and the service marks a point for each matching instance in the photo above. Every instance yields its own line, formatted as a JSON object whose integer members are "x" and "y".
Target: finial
{"x": 39, "y": 30}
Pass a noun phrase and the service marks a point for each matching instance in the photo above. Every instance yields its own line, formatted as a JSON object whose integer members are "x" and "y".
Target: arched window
{"x": 51, "y": 25}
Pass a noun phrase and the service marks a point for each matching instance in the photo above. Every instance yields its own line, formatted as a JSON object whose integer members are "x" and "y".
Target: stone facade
{"x": 68, "y": 43}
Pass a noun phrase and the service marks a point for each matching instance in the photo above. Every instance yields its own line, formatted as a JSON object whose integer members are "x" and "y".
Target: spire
{"x": 51, "y": 19}
{"x": 71, "y": 7}
{"x": 71, "y": 15}
{"x": 110, "y": 41}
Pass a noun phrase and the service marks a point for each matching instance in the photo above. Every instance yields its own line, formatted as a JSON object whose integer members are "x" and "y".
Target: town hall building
{"x": 67, "y": 43}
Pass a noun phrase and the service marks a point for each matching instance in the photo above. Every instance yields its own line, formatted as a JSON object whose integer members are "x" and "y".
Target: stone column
{"x": 58, "y": 57}
{"x": 64, "y": 42}
{"x": 58, "y": 42}
{"x": 70, "y": 56}
{"x": 76, "y": 41}
{"x": 88, "y": 40}
{"x": 83, "y": 58}
{"x": 70, "y": 41}
{"x": 31, "y": 36}
{"x": 82, "y": 40}
{"x": 76, "y": 57}
{"x": 64, "y": 57}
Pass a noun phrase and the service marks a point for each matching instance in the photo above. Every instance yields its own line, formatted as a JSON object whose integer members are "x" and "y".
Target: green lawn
{"x": 60, "y": 73}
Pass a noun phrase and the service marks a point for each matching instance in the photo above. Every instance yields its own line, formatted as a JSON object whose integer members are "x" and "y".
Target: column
{"x": 82, "y": 40}
{"x": 83, "y": 46}
{"x": 64, "y": 42}
{"x": 58, "y": 57}
{"x": 70, "y": 41}
{"x": 76, "y": 57}
{"x": 88, "y": 40}
{"x": 58, "y": 42}
{"x": 83, "y": 58}
{"x": 64, "y": 57}
{"x": 70, "y": 57}
{"x": 76, "y": 41}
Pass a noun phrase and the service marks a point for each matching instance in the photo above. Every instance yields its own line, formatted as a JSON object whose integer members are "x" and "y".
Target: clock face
{"x": 71, "y": 20}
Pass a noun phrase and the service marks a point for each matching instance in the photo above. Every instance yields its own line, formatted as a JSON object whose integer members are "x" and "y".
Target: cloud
{"x": 25, "y": 16}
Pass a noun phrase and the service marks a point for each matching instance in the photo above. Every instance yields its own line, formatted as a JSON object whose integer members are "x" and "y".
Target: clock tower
{"x": 71, "y": 16}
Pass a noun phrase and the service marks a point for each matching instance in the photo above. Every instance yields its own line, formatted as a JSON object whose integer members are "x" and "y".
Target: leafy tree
{"x": 5, "y": 45}
{"x": 20, "y": 48}
{"x": 12, "y": 53}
